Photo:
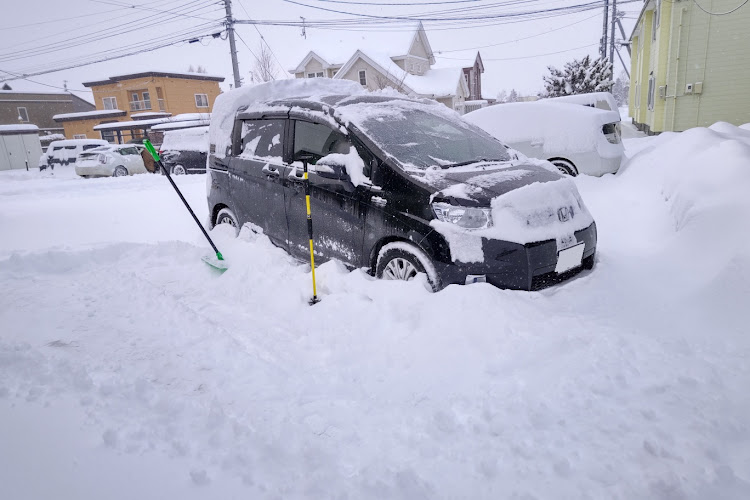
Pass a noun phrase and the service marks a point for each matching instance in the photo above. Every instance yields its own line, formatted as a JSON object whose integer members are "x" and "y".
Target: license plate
{"x": 569, "y": 258}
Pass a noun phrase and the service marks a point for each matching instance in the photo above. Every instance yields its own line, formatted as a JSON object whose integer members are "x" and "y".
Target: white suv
{"x": 114, "y": 160}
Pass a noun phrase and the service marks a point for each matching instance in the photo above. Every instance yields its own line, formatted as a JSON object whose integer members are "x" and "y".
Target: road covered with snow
{"x": 129, "y": 369}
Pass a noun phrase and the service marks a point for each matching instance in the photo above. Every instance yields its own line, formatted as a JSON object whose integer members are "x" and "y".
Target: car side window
{"x": 263, "y": 138}
{"x": 128, "y": 151}
{"x": 318, "y": 140}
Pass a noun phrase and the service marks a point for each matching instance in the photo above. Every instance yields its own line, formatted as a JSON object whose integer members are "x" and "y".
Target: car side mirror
{"x": 331, "y": 169}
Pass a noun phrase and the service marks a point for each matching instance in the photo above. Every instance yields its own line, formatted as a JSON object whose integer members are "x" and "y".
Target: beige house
{"x": 690, "y": 68}
{"x": 399, "y": 60}
{"x": 147, "y": 98}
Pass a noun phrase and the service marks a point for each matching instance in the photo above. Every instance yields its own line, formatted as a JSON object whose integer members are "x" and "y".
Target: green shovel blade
{"x": 216, "y": 261}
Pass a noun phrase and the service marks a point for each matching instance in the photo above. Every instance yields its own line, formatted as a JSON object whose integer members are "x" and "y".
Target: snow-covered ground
{"x": 129, "y": 369}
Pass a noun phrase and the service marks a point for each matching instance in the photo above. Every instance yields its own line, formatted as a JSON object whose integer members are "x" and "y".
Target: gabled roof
{"x": 333, "y": 48}
{"x": 434, "y": 83}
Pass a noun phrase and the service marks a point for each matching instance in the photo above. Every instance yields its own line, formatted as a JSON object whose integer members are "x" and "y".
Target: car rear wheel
{"x": 226, "y": 216}
{"x": 403, "y": 261}
{"x": 565, "y": 167}
{"x": 120, "y": 171}
{"x": 178, "y": 170}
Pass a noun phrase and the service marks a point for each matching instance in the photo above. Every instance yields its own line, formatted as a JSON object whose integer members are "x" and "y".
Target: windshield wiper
{"x": 469, "y": 162}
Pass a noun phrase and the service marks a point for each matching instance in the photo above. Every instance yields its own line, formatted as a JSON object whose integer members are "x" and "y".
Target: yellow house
{"x": 690, "y": 64}
{"x": 140, "y": 97}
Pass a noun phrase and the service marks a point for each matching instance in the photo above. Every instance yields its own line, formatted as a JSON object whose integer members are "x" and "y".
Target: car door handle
{"x": 270, "y": 171}
{"x": 296, "y": 175}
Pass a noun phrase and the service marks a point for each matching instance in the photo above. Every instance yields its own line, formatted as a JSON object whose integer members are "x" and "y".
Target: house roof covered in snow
{"x": 334, "y": 48}
{"x": 146, "y": 74}
{"x": 88, "y": 115}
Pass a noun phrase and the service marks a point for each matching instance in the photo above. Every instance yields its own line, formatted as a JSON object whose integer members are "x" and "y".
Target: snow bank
{"x": 128, "y": 369}
{"x": 226, "y": 105}
{"x": 187, "y": 139}
{"x": 559, "y": 126}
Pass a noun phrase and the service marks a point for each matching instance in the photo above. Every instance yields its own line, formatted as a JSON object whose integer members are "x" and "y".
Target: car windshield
{"x": 420, "y": 139}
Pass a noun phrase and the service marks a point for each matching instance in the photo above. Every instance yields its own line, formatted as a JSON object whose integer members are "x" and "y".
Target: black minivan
{"x": 399, "y": 186}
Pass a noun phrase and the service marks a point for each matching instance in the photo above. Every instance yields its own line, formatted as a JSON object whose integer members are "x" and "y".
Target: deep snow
{"x": 129, "y": 369}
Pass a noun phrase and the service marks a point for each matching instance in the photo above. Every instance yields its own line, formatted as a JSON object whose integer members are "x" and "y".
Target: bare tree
{"x": 264, "y": 69}
{"x": 388, "y": 79}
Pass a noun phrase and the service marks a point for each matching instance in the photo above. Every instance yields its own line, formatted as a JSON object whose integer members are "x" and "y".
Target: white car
{"x": 65, "y": 152}
{"x": 576, "y": 139}
{"x": 114, "y": 160}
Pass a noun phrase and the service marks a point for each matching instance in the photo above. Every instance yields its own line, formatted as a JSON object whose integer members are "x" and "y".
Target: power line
{"x": 720, "y": 13}
{"x": 283, "y": 70}
{"x": 100, "y": 35}
{"x": 140, "y": 6}
{"x": 103, "y": 59}
{"x": 517, "y": 39}
{"x": 526, "y": 57}
{"x": 60, "y": 19}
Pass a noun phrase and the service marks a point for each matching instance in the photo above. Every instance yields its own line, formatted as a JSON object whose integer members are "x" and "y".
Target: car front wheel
{"x": 403, "y": 261}
{"x": 565, "y": 167}
{"x": 120, "y": 171}
{"x": 178, "y": 170}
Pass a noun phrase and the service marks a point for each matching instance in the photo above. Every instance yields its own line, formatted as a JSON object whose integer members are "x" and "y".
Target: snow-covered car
{"x": 598, "y": 100}
{"x": 398, "y": 186}
{"x": 114, "y": 160}
{"x": 65, "y": 152}
{"x": 184, "y": 151}
{"x": 576, "y": 139}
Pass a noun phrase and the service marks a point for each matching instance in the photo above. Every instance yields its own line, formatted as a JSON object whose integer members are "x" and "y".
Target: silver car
{"x": 115, "y": 160}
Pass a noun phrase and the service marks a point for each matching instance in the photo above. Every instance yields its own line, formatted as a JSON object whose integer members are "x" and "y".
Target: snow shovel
{"x": 217, "y": 262}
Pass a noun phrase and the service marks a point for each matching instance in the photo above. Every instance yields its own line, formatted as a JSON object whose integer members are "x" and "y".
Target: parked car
{"x": 598, "y": 100}
{"x": 184, "y": 151}
{"x": 398, "y": 186}
{"x": 65, "y": 152}
{"x": 114, "y": 160}
{"x": 576, "y": 139}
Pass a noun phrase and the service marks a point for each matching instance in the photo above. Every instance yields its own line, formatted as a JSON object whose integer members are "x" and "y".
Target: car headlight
{"x": 466, "y": 217}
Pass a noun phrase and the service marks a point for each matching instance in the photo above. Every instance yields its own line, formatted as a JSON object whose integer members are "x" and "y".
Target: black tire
{"x": 178, "y": 170}
{"x": 403, "y": 261}
{"x": 226, "y": 216}
{"x": 120, "y": 171}
{"x": 564, "y": 166}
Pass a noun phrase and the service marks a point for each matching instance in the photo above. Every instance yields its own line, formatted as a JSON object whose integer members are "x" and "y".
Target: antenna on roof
{"x": 65, "y": 85}
{"x": 304, "y": 33}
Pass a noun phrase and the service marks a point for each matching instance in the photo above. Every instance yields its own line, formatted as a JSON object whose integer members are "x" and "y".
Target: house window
{"x": 108, "y": 135}
{"x": 311, "y": 75}
{"x": 363, "y": 77}
{"x": 319, "y": 74}
{"x": 651, "y": 85}
{"x": 147, "y": 100}
{"x": 201, "y": 100}
{"x": 109, "y": 102}
{"x": 23, "y": 115}
{"x": 79, "y": 136}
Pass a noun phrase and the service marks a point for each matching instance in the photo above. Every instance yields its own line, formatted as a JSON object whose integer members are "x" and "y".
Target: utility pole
{"x": 612, "y": 38}
{"x": 603, "y": 45}
{"x": 232, "y": 46}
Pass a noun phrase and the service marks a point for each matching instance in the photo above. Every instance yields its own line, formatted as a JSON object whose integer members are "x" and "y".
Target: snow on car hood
{"x": 536, "y": 211}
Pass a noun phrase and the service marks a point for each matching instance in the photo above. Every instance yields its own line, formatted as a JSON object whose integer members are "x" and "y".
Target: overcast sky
{"x": 39, "y": 35}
